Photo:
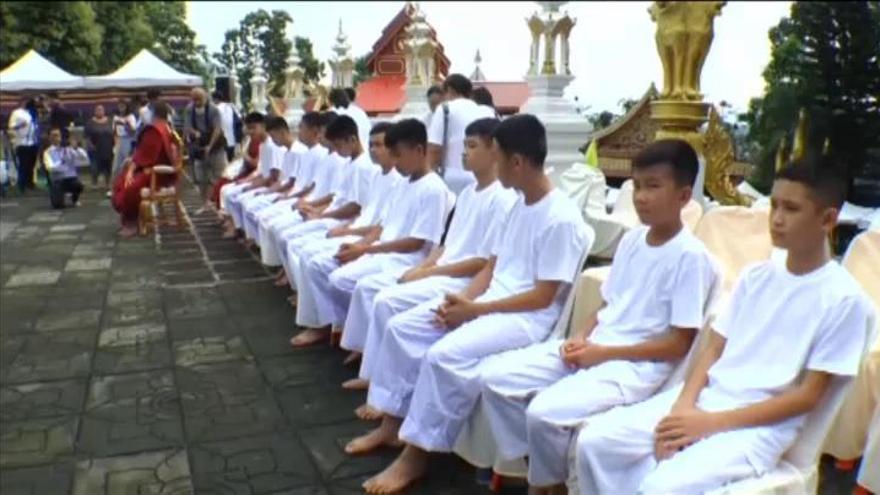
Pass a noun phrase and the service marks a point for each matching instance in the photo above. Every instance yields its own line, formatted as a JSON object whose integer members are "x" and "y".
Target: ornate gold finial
{"x": 717, "y": 148}
{"x": 799, "y": 145}
{"x": 781, "y": 158}
{"x": 684, "y": 35}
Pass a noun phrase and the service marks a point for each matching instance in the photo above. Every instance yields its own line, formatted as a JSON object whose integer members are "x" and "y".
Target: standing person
{"x": 203, "y": 128}
{"x": 359, "y": 115}
{"x": 23, "y": 131}
{"x": 228, "y": 117}
{"x": 483, "y": 98}
{"x": 60, "y": 163}
{"x": 435, "y": 98}
{"x": 446, "y": 132}
{"x": 156, "y": 145}
{"x": 125, "y": 127}
{"x": 99, "y": 132}
{"x": 145, "y": 113}
{"x": 59, "y": 117}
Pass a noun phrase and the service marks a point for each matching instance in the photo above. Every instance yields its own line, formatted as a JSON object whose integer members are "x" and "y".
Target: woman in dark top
{"x": 99, "y": 131}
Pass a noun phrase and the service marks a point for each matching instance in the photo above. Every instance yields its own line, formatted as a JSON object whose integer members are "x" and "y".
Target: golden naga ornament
{"x": 718, "y": 153}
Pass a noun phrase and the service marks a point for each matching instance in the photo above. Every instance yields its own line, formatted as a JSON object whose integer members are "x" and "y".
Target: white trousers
{"x": 438, "y": 393}
{"x": 229, "y": 191}
{"x": 269, "y": 229}
{"x": 869, "y": 474}
{"x": 256, "y": 222}
{"x": 302, "y": 230}
{"x": 251, "y": 208}
{"x": 235, "y": 203}
{"x": 263, "y": 237}
{"x": 534, "y": 403}
{"x": 394, "y": 300}
{"x": 299, "y": 259}
{"x": 615, "y": 453}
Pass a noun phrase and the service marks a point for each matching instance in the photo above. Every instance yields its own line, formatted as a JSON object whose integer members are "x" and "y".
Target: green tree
{"x": 126, "y": 31}
{"x": 64, "y": 32}
{"x": 174, "y": 40}
{"x": 825, "y": 59}
{"x": 601, "y": 120}
{"x": 361, "y": 71}
{"x": 314, "y": 69}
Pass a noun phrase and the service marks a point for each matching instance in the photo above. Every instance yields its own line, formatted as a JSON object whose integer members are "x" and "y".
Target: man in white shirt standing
{"x": 227, "y": 121}
{"x": 22, "y": 130}
{"x": 435, "y": 98}
{"x": 343, "y": 104}
{"x": 446, "y": 132}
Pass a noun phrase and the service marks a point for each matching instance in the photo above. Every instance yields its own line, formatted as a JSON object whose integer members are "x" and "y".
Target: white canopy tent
{"x": 144, "y": 70}
{"x": 32, "y": 72}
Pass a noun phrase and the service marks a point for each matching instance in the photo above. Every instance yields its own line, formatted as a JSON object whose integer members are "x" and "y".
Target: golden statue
{"x": 717, "y": 150}
{"x": 684, "y": 34}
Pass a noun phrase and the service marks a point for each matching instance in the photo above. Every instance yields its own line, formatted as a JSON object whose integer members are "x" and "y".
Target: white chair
{"x": 585, "y": 186}
{"x": 610, "y": 227}
{"x": 475, "y": 444}
{"x": 846, "y": 440}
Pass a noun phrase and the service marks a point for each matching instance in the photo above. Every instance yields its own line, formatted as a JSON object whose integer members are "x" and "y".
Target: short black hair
{"x": 482, "y": 96}
{"x": 352, "y": 94}
{"x": 153, "y": 93}
{"x": 327, "y": 118}
{"x": 435, "y": 89}
{"x": 343, "y": 127}
{"x": 380, "y": 128}
{"x": 254, "y": 118}
{"x": 525, "y": 135}
{"x": 825, "y": 179}
{"x": 161, "y": 110}
{"x": 407, "y": 131}
{"x": 312, "y": 119}
{"x": 276, "y": 123}
{"x": 339, "y": 98}
{"x": 459, "y": 84}
{"x": 482, "y": 128}
{"x": 676, "y": 153}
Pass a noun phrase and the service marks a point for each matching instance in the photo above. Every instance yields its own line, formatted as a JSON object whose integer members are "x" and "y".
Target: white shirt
{"x": 418, "y": 210}
{"x": 343, "y": 181}
{"x": 26, "y": 134}
{"x": 362, "y": 171}
{"x": 777, "y": 325}
{"x": 146, "y": 115}
{"x": 271, "y": 157}
{"x": 362, "y": 120}
{"x": 125, "y": 125}
{"x": 291, "y": 163}
{"x": 383, "y": 189}
{"x": 227, "y": 113}
{"x": 324, "y": 171}
{"x": 478, "y": 220}
{"x": 462, "y": 111}
{"x": 487, "y": 112}
{"x": 540, "y": 242}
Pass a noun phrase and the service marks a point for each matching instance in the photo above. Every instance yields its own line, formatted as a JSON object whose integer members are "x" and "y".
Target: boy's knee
{"x": 662, "y": 480}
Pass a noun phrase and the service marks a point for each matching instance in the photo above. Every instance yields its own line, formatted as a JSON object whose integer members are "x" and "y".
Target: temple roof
{"x": 390, "y": 32}
{"x": 382, "y": 94}
{"x": 508, "y": 97}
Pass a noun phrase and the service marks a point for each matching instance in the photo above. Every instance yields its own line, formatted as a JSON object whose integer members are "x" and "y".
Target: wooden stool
{"x": 155, "y": 199}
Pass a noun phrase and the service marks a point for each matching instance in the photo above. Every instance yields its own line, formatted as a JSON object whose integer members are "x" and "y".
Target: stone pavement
{"x": 161, "y": 366}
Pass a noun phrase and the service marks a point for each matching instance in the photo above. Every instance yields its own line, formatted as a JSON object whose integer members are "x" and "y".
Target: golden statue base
{"x": 680, "y": 119}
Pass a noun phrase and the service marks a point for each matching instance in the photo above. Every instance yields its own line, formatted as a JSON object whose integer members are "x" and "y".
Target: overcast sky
{"x": 613, "y": 54}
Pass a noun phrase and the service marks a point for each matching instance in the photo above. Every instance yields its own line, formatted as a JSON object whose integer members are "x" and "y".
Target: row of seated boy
{"x": 445, "y": 313}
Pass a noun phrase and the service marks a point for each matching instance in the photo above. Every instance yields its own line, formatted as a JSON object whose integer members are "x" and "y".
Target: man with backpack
{"x": 203, "y": 128}
{"x": 232, "y": 125}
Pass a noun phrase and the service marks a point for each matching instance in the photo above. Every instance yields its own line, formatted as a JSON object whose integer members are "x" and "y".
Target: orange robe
{"x": 155, "y": 146}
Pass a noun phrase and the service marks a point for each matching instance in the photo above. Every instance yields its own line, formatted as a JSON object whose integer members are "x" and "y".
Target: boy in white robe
{"x": 655, "y": 297}
{"x": 271, "y": 161}
{"x": 291, "y": 170}
{"x": 255, "y": 129}
{"x": 304, "y": 183}
{"x": 430, "y": 354}
{"x": 479, "y": 213}
{"x": 769, "y": 360}
{"x": 310, "y": 173}
{"x": 329, "y": 238}
{"x": 414, "y": 224}
{"x": 255, "y": 123}
{"x": 344, "y": 204}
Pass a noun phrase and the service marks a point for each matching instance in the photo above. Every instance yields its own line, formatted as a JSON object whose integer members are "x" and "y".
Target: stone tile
{"x": 41, "y": 400}
{"x": 130, "y": 413}
{"x": 311, "y": 405}
{"x": 135, "y": 312}
{"x": 44, "y": 217}
{"x": 134, "y": 282}
{"x": 52, "y": 356}
{"x": 209, "y": 350}
{"x": 133, "y": 335}
{"x": 159, "y": 473}
{"x": 145, "y": 297}
{"x": 86, "y": 264}
{"x": 227, "y": 400}
{"x": 37, "y": 441}
{"x": 84, "y": 278}
{"x": 264, "y": 464}
{"x": 72, "y": 227}
{"x": 140, "y": 357}
{"x": 305, "y": 367}
{"x": 185, "y": 303}
{"x": 326, "y": 446}
{"x": 69, "y": 320}
{"x": 54, "y": 479}
{"x": 190, "y": 278}
{"x": 47, "y": 277}
{"x": 201, "y": 327}
{"x": 63, "y": 237}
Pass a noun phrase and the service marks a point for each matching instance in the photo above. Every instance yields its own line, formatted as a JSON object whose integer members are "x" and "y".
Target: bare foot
{"x": 367, "y": 413}
{"x": 409, "y": 466}
{"x": 127, "y": 232}
{"x": 355, "y": 384}
{"x": 229, "y": 234}
{"x": 292, "y": 300}
{"x": 281, "y": 282}
{"x": 309, "y": 336}
{"x": 352, "y": 358}
{"x": 384, "y": 435}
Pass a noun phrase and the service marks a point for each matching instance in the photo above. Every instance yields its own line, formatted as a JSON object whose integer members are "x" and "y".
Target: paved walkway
{"x": 161, "y": 366}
